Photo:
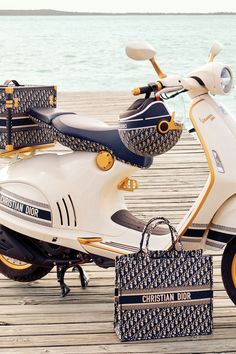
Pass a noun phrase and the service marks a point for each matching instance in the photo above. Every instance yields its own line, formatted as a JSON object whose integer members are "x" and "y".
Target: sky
{"x": 124, "y": 5}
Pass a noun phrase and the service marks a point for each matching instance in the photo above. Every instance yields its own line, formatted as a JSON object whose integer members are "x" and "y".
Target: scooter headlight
{"x": 226, "y": 80}
{"x": 216, "y": 77}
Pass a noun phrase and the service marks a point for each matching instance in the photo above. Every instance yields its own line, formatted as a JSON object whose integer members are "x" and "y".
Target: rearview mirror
{"x": 140, "y": 51}
{"x": 215, "y": 50}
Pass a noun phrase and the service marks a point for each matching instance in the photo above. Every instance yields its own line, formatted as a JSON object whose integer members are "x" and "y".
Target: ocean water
{"x": 86, "y": 53}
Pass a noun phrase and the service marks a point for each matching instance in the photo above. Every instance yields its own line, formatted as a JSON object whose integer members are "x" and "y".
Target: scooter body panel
{"x": 77, "y": 196}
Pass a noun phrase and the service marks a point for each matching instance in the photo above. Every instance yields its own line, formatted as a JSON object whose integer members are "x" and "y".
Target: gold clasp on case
{"x": 9, "y": 103}
{"x": 52, "y": 100}
{"x": 9, "y": 90}
{"x": 16, "y": 102}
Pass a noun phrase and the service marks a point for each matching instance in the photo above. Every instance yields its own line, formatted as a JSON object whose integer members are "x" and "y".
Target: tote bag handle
{"x": 151, "y": 225}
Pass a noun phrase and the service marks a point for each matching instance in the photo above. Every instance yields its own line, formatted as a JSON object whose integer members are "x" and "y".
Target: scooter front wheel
{"x": 228, "y": 269}
{"x": 21, "y": 271}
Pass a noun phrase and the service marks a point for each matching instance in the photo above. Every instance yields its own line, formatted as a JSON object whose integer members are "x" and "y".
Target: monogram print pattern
{"x": 144, "y": 324}
{"x": 25, "y": 98}
{"x": 161, "y": 272}
{"x": 148, "y": 142}
{"x": 75, "y": 144}
{"x": 28, "y": 137}
{"x": 158, "y": 270}
{"x": 29, "y": 97}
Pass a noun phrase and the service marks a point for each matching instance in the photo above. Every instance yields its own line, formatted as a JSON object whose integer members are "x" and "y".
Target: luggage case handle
{"x": 7, "y": 83}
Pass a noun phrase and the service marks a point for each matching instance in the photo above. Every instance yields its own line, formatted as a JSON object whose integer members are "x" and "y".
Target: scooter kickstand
{"x": 61, "y": 271}
{"x": 84, "y": 279}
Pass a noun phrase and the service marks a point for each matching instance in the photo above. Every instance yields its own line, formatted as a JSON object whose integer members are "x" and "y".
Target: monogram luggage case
{"x": 162, "y": 294}
{"x": 16, "y": 128}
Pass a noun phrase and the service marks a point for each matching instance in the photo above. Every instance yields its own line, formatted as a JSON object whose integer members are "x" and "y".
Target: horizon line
{"x": 76, "y": 13}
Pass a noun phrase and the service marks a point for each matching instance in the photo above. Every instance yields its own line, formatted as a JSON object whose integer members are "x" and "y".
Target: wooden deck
{"x": 33, "y": 317}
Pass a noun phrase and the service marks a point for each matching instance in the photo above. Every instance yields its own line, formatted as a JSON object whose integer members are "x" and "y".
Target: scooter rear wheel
{"x": 21, "y": 271}
{"x": 228, "y": 269}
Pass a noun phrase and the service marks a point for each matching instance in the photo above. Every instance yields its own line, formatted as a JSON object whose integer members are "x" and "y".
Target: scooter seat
{"x": 96, "y": 132}
{"x": 74, "y": 125}
{"x": 81, "y": 133}
{"x": 46, "y": 115}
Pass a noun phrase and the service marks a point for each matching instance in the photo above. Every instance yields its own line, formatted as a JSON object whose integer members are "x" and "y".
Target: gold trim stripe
{"x": 85, "y": 241}
{"x": 210, "y": 164}
{"x": 106, "y": 248}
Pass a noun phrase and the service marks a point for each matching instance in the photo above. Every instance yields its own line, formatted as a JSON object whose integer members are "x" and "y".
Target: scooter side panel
{"x": 51, "y": 180}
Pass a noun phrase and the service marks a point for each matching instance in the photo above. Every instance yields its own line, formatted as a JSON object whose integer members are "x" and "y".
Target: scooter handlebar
{"x": 141, "y": 90}
{"x": 152, "y": 87}
{"x": 169, "y": 84}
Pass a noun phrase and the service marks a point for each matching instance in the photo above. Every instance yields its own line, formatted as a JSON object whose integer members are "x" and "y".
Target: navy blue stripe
{"x": 154, "y": 109}
{"x": 16, "y": 122}
{"x": 194, "y": 232}
{"x": 219, "y": 236}
{"x": 164, "y": 297}
{"x": 142, "y": 123}
{"x": 44, "y": 214}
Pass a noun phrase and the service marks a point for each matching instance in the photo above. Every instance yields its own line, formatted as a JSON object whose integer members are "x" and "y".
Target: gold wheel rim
{"x": 14, "y": 263}
{"x": 233, "y": 270}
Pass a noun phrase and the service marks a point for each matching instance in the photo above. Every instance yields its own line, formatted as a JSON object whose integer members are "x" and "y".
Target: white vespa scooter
{"x": 68, "y": 209}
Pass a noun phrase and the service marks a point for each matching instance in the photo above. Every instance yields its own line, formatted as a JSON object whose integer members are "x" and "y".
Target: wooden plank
{"x": 165, "y": 347}
{"x": 97, "y": 338}
{"x": 222, "y": 317}
{"x": 79, "y": 327}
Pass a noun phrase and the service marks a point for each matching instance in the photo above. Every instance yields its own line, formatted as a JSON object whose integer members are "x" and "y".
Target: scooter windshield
{"x": 177, "y": 105}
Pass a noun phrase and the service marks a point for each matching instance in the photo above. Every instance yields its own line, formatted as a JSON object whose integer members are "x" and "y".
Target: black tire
{"x": 24, "y": 273}
{"x": 228, "y": 269}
